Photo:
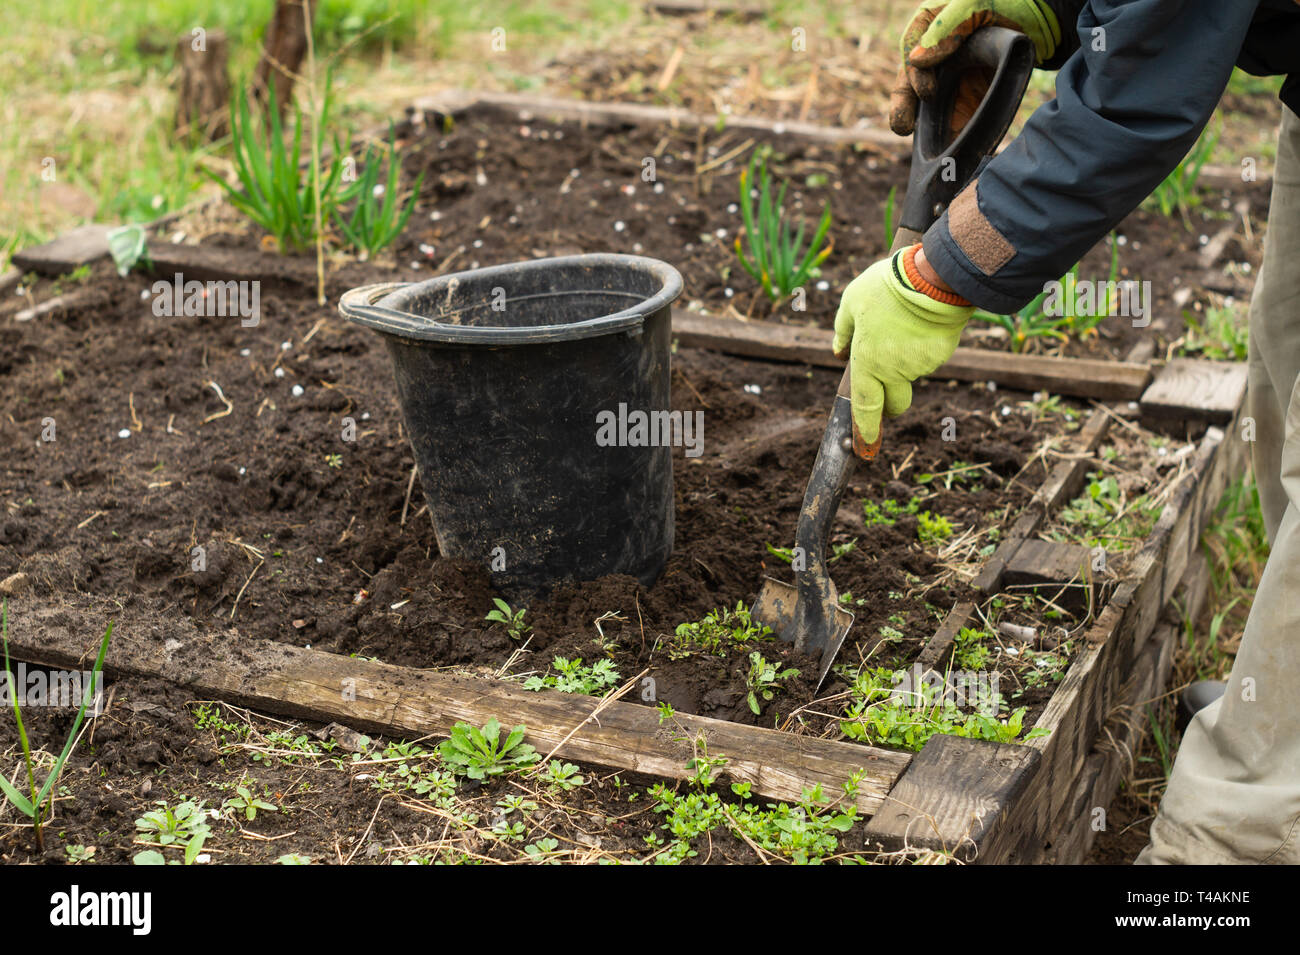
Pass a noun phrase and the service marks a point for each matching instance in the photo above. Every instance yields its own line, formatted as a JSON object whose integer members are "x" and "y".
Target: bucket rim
{"x": 373, "y": 305}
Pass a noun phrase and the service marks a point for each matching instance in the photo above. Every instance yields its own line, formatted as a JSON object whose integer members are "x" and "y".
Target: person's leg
{"x": 1234, "y": 794}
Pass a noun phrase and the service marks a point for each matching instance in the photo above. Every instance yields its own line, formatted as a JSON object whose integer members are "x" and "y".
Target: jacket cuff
{"x": 968, "y": 251}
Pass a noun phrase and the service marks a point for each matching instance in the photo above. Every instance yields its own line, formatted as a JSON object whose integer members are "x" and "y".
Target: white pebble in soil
{"x": 297, "y": 391}
{"x": 620, "y": 225}
{"x": 124, "y": 433}
{"x": 659, "y": 187}
{"x": 245, "y": 352}
{"x": 754, "y": 389}
{"x": 279, "y": 373}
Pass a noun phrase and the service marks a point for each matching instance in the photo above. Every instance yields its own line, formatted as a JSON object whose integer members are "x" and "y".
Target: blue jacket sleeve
{"x": 1130, "y": 102}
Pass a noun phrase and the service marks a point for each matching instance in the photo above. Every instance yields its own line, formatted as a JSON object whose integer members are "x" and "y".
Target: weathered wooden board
{"x": 1079, "y": 708}
{"x": 935, "y": 653}
{"x": 459, "y": 102}
{"x": 205, "y": 263}
{"x": 1189, "y": 389}
{"x": 402, "y": 701}
{"x": 956, "y": 796}
{"x": 1080, "y": 377}
{"x": 1062, "y": 484}
{"x": 686, "y": 8}
{"x": 1072, "y": 834}
{"x": 1047, "y": 562}
{"x": 68, "y": 252}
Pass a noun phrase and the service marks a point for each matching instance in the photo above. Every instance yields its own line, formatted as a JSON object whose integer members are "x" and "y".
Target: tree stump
{"x": 203, "y": 90}
{"x": 283, "y": 50}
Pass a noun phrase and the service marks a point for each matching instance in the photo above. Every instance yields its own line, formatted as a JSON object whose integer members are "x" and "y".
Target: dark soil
{"x": 305, "y": 548}
{"x": 505, "y": 189}
{"x": 301, "y": 531}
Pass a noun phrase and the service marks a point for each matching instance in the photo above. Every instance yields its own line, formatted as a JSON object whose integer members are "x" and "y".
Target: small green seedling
{"x": 245, "y": 803}
{"x": 719, "y": 632}
{"x": 563, "y": 776}
{"x": 932, "y": 528}
{"x": 572, "y": 677}
{"x": 480, "y": 754}
{"x": 512, "y": 620}
{"x": 375, "y": 224}
{"x": 33, "y": 804}
{"x": 764, "y": 681}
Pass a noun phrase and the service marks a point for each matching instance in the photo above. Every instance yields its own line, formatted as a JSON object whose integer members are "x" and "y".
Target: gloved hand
{"x": 938, "y": 28}
{"x": 895, "y": 334}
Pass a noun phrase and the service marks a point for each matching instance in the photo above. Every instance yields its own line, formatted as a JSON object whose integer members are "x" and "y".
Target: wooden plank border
{"x": 407, "y": 702}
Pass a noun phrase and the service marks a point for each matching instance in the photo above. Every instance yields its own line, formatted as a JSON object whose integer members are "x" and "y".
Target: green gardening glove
{"x": 939, "y": 28}
{"x": 894, "y": 335}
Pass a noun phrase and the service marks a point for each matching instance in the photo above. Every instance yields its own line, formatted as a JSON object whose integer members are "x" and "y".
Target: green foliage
{"x": 562, "y": 776}
{"x": 786, "y": 554}
{"x": 572, "y": 677}
{"x": 185, "y": 825}
{"x": 877, "y": 714}
{"x": 375, "y": 223}
{"x": 764, "y": 681}
{"x": 411, "y": 769}
{"x": 1177, "y": 193}
{"x": 512, "y": 620}
{"x": 480, "y": 754}
{"x": 1220, "y": 336}
{"x": 33, "y": 803}
{"x": 932, "y": 528}
{"x": 805, "y": 834}
{"x": 776, "y": 259}
{"x": 970, "y": 650}
{"x": 1034, "y": 320}
{"x": 889, "y": 217}
{"x": 1104, "y": 517}
{"x": 274, "y": 191}
{"x": 888, "y": 510}
{"x": 720, "y": 632}
{"x": 245, "y": 803}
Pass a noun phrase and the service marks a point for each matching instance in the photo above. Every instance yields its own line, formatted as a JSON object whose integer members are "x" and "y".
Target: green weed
{"x": 33, "y": 803}
{"x": 776, "y": 259}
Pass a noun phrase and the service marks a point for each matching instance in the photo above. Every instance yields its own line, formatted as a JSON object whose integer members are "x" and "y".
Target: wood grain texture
{"x": 957, "y": 796}
{"x": 1196, "y": 390}
{"x": 405, "y": 702}
{"x": 69, "y": 251}
{"x": 613, "y": 113}
{"x": 1079, "y": 377}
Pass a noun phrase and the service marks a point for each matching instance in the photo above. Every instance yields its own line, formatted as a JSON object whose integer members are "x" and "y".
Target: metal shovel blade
{"x": 778, "y": 607}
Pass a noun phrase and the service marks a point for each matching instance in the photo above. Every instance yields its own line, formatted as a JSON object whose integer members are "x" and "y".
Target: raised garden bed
{"x": 320, "y": 570}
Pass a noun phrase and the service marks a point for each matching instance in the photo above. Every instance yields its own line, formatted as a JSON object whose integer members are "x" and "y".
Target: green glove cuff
{"x": 924, "y": 307}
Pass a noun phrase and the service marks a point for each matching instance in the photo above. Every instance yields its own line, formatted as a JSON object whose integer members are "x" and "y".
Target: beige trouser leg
{"x": 1234, "y": 795}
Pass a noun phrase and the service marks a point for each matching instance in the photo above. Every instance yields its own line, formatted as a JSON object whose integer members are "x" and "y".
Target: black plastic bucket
{"x": 502, "y": 373}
